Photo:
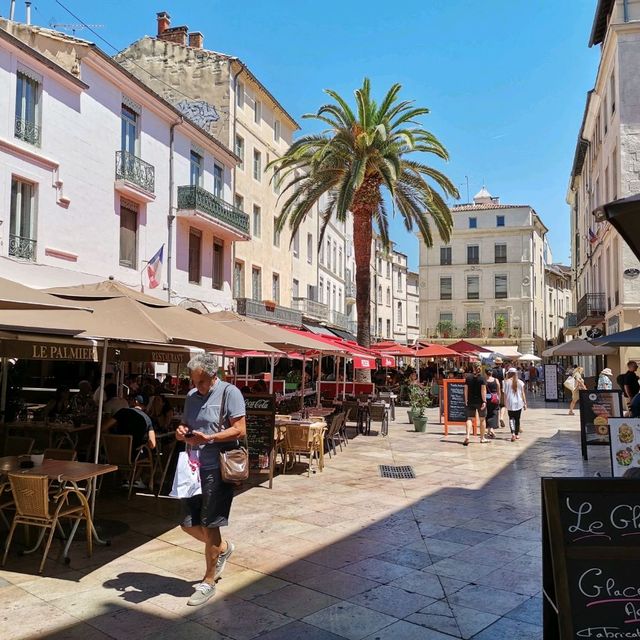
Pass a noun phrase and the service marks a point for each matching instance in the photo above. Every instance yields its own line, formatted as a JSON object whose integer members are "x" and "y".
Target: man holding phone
{"x": 214, "y": 419}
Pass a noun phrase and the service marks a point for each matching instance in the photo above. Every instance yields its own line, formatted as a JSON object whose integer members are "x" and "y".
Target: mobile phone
{"x": 189, "y": 434}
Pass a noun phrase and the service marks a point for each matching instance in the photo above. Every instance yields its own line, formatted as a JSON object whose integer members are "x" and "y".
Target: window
{"x": 612, "y": 92}
{"x": 335, "y": 257}
{"x": 129, "y": 235}
{"x": 257, "y": 221}
{"x": 473, "y": 318}
{"x": 129, "y": 130}
{"x": 296, "y": 244}
{"x": 446, "y": 317}
{"x": 388, "y": 296}
{"x": 445, "y": 288}
{"x": 388, "y": 328}
{"x": 217, "y": 267}
{"x": 275, "y": 288}
{"x": 399, "y": 313}
{"x": 240, "y": 151}
{"x": 500, "y": 253}
{"x": 295, "y": 289}
{"x": 195, "y": 244}
{"x": 22, "y": 223}
{"x": 389, "y": 270}
{"x": 309, "y": 248}
{"x": 379, "y": 326}
{"x": 240, "y": 95}
{"x": 257, "y": 112}
{"x": 379, "y": 294}
{"x": 238, "y": 201}
{"x": 340, "y": 262}
{"x": 400, "y": 281}
{"x": 195, "y": 172}
{"x": 257, "y": 165}
{"x": 501, "y": 290}
{"x": 238, "y": 279}
{"x": 340, "y": 300}
{"x": 276, "y": 235}
{"x": 502, "y": 317}
{"x": 321, "y": 256}
{"x": 27, "y": 124}
{"x": 256, "y": 283}
{"x": 445, "y": 255}
{"x": 499, "y": 221}
{"x": 614, "y": 175}
{"x": 473, "y": 254}
{"x": 276, "y": 130}
{"x": 218, "y": 180}
{"x": 473, "y": 223}
{"x": 473, "y": 287}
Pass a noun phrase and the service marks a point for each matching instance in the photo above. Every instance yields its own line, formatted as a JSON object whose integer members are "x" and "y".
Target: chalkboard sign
{"x": 591, "y": 545}
{"x": 454, "y": 405}
{"x": 596, "y": 407}
{"x": 551, "y": 393}
{"x": 261, "y": 420}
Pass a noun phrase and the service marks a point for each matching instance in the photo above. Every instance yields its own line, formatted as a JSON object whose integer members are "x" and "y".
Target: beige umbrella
{"x": 577, "y": 347}
{"x": 14, "y": 295}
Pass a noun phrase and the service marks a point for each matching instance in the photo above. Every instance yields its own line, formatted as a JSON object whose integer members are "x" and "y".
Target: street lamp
{"x": 624, "y": 215}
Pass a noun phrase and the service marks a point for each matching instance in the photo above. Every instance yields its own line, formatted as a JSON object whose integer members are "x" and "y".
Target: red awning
{"x": 462, "y": 346}
{"x": 436, "y": 351}
{"x": 387, "y": 361}
{"x": 392, "y": 349}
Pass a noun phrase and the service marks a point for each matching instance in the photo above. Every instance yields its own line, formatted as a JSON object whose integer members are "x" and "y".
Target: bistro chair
{"x": 60, "y": 454}
{"x": 7, "y": 503}
{"x": 144, "y": 461}
{"x": 379, "y": 412}
{"x": 35, "y": 507}
{"x": 301, "y": 440}
{"x": 164, "y": 457}
{"x": 18, "y": 446}
{"x": 350, "y": 408}
{"x": 334, "y": 433}
{"x": 118, "y": 450}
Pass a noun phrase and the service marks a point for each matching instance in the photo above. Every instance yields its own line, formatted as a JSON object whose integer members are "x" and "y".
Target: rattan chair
{"x": 301, "y": 440}
{"x": 379, "y": 412}
{"x": 60, "y": 454}
{"x": 34, "y": 507}
{"x": 18, "y": 446}
{"x": 7, "y": 503}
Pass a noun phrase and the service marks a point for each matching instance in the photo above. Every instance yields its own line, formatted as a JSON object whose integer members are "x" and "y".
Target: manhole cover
{"x": 397, "y": 472}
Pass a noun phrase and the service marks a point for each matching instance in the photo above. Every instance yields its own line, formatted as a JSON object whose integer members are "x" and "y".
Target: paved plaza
{"x": 454, "y": 553}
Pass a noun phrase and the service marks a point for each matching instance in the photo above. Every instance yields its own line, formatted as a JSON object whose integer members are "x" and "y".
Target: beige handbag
{"x": 234, "y": 463}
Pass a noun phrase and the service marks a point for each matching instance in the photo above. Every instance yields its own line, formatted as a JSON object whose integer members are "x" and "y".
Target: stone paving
{"x": 454, "y": 553}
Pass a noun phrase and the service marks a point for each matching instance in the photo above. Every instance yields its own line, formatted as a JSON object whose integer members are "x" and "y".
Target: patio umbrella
{"x": 462, "y": 346}
{"x": 392, "y": 349}
{"x": 578, "y": 347}
{"x": 529, "y": 357}
{"x": 628, "y": 338}
{"x": 435, "y": 351}
{"x": 14, "y": 295}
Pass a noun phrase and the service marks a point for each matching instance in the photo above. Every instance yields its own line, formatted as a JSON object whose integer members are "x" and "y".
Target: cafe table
{"x": 62, "y": 472}
{"x": 316, "y": 428}
{"x": 59, "y": 432}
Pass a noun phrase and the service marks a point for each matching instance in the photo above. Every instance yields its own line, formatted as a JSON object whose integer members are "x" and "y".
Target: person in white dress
{"x": 515, "y": 401}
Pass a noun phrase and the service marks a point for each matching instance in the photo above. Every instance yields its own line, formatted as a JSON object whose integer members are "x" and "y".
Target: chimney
{"x": 196, "y": 40}
{"x": 28, "y": 11}
{"x": 164, "y": 20}
{"x": 177, "y": 35}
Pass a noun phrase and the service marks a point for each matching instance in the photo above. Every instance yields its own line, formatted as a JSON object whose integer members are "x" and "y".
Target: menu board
{"x": 625, "y": 446}
{"x": 454, "y": 405}
{"x": 591, "y": 546}
{"x": 261, "y": 418}
{"x": 551, "y": 383}
{"x": 596, "y": 407}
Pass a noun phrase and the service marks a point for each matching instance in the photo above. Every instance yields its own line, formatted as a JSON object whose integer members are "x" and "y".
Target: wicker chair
{"x": 303, "y": 440}
{"x": 60, "y": 454}
{"x": 18, "y": 446}
{"x": 34, "y": 507}
{"x": 7, "y": 503}
{"x": 379, "y": 412}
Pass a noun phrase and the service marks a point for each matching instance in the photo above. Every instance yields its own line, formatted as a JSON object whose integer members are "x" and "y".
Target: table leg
{"x": 91, "y": 487}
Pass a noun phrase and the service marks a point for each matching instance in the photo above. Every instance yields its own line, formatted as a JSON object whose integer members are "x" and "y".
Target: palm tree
{"x": 360, "y": 154}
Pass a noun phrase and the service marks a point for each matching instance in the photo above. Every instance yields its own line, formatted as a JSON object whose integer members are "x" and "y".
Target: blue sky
{"x": 505, "y": 79}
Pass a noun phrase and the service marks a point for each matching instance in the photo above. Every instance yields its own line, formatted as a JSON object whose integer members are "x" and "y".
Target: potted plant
{"x": 472, "y": 329}
{"x": 420, "y": 400}
{"x": 292, "y": 380}
{"x": 445, "y": 328}
{"x": 501, "y": 325}
{"x": 269, "y": 305}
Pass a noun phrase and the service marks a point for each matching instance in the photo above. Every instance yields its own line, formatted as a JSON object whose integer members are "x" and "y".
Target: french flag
{"x": 593, "y": 237}
{"x": 154, "y": 269}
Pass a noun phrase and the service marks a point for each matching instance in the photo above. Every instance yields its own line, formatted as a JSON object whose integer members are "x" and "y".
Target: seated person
{"x": 113, "y": 404}
{"x": 133, "y": 422}
{"x": 82, "y": 403}
{"x": 260, "y": 387}
{"x": 60, "y": 405}
{"x": 160, "y": 411}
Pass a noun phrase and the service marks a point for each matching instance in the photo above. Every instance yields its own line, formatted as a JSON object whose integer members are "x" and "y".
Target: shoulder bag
{"x": 234, "y": 463}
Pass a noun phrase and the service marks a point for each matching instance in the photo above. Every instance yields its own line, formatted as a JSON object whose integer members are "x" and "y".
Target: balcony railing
{"x": 350, "y": 291}
{"x": 339, "y": 319}
{"x": 311, "y": 308}
{"x": 199, "y": 199}
{"x": 135, "y": 170}
{"x": 591, "y": 309}
{"x": 570, "y": 322}
{"x": 259, "y": 310}
{"x": 352, "y": 327}
{"x": 28, "y": 131}
{"x": 23, "y": 248}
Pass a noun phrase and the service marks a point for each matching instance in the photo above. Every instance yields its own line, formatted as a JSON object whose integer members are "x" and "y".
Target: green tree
{"x": 363, "y": 152}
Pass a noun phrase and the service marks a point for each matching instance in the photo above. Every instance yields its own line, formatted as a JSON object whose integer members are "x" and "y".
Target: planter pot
{"x": 410, "y": 414}
{"x": 291, "y": 386}
{"x": 420, "y": 423}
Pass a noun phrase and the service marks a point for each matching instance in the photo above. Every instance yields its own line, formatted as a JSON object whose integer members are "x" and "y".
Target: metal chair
{"x": 379, "y": 412}
{"x": 35, "y": 508}
{"x": 18, "y": 446}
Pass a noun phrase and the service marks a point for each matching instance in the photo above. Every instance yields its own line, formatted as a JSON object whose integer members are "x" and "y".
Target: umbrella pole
{"x": 302, "y": 385}
{"x": 246, "y": 371}
{"x": 103, "y": 373}
{"x": 3, "y": 396}
{"x": 344, "y": 377}
{"x": 272, "y": 369}
{"x": 318, "y": 380}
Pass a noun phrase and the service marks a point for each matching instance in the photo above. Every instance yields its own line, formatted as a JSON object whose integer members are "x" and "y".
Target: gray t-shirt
{"x": 202, "y": 413}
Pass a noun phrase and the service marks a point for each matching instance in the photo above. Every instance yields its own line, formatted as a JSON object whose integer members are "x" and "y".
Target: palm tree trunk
{"x": 362, "y": 234}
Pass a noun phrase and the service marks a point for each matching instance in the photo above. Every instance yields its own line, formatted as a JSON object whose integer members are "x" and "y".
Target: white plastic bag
{"x": 186, "y": 482}
{"x": 570, "y": 383}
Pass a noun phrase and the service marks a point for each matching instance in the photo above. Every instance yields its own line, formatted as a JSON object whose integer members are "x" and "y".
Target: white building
{"x": 413, "y": 306}
{"x": 97, "y": 173}
{"x": 488, "y": 281}
{"x": 607, "y": 167}
{"x": 558, "y": 302}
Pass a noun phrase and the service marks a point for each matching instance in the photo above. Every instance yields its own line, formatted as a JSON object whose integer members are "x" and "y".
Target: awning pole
{"x": 103, "y": 374}
{"x": 273, "y": 367}
{"x": 344, "y": 377}
{"x": 3, "y": 396}
{"x": 246, "y": 371}
{"x": 318, "y": 380}
{"x": 302, "y": 384}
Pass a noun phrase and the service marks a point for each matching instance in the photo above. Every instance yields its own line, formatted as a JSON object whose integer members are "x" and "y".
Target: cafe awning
{"x": 462, "y": 346}
{"x": 14, "y": 295}
{"x": 436, "y": 351}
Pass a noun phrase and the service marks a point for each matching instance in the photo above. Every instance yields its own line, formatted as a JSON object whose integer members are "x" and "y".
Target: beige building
{"x": 413, "y": 306}
{"x": 222, "y": 94}
{"x": 487, "y": 283}
{"x": 607, "y": 167}
{"x": 558, "y": 302}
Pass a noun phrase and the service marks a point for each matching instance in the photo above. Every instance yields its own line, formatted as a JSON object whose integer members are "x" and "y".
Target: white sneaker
{"x": 222, "y": 559}
{"x": 202, "y": 593}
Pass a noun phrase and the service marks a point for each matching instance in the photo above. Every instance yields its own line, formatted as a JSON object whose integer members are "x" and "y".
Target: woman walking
{"x": 578, "y": 386}
{"x": 494, "y": 397}
{"x": 515, "y": 400}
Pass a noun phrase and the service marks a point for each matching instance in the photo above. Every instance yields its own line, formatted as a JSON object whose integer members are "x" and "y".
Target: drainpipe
{"x": 625, "y": 5}
{"x": 171, "y": 216}
{"x": 235, "y": 166}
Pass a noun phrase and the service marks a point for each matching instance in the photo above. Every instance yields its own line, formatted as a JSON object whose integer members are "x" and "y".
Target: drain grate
{"x": 397, "y": 472}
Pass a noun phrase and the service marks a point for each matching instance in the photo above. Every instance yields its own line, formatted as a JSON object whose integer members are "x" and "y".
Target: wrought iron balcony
{"x": 339, "y": 319}
{"x": 136, "y": 171}
{"x": 570, "y": 323}
{"x": 259, "y": 310}
{"x": 195, "y": 198}
{"x": 311, "y": 308}
{"x": 352, "y": 327}
{"x": 350, "y": 293}
{"x": 23, "y": 248}
{"x": 591, "y": 309}
{"x": 28, "y": 131}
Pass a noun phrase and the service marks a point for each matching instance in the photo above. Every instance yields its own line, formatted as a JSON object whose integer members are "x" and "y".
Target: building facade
{"x": 487, "y": 283}
{"x": 558, "y": 302}
{"x": 98, "y": 173}
{"x": 607, "y": 167}
{"x": 413, "y": 307}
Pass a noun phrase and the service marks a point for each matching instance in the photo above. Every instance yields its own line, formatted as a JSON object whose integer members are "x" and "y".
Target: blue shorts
{"x": 211, "y": 508}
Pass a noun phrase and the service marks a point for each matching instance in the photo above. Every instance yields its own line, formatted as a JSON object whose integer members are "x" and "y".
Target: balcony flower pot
{"x": 420, "y": 423}
{"x": 269, "y": 305}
